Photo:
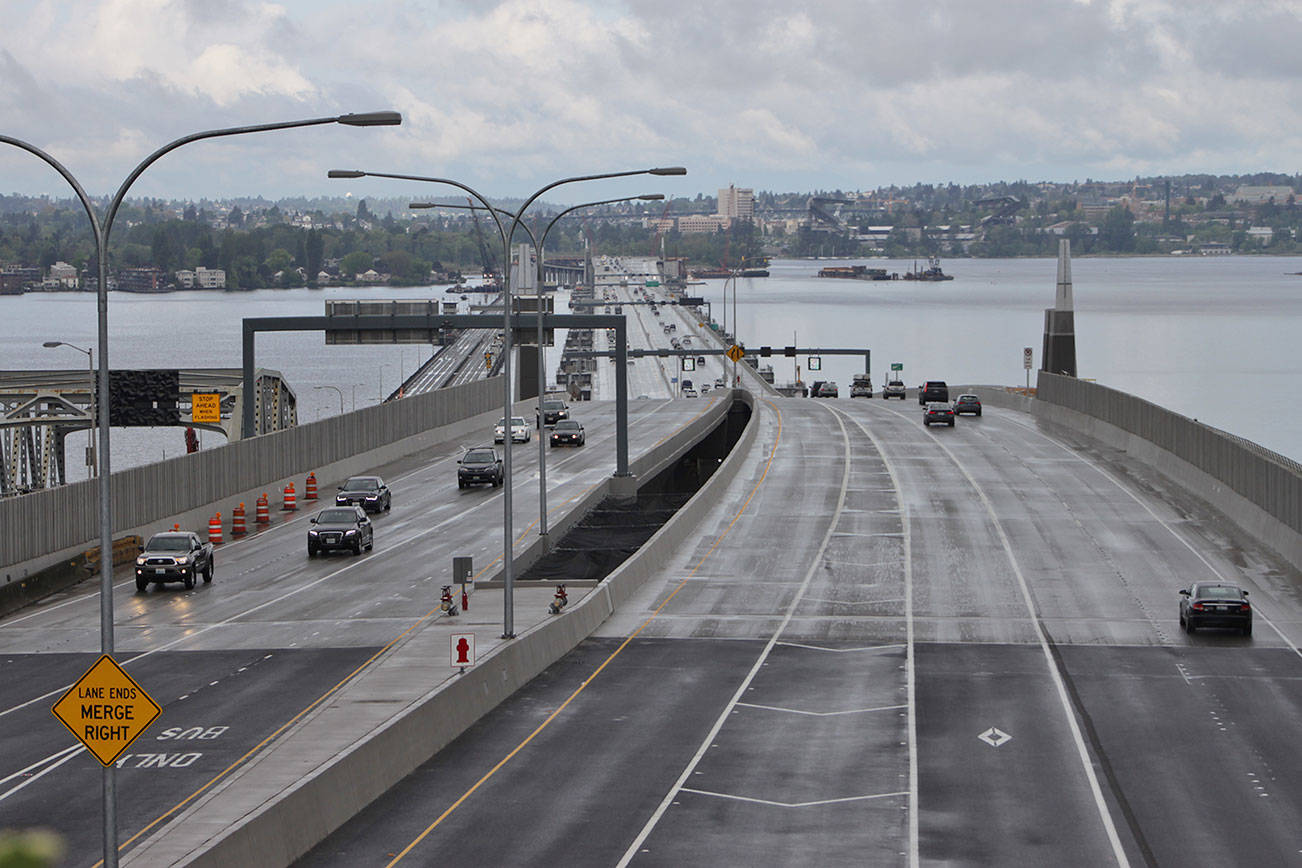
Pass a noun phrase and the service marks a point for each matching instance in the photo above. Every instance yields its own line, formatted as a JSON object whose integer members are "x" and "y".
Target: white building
{"x": 736, "y": 202}
{"x": 698, "y": 223}
{"x": 202, "y": 278}
{"x": 64, "y": 274}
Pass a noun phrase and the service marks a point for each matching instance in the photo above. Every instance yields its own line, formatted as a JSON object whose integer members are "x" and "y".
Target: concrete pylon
{"x": 1059, "y": 353}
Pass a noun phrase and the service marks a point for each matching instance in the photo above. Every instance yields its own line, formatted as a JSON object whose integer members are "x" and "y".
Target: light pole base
{"x": 623, "y": 487}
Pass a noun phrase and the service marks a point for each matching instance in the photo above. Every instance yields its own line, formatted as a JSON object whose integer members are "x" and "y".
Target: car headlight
{"x": 182, "y": 560}
{"x": 140, "y": 561}
{"x": 352, "y": 532}
{"x": 372, "y": 497}
{"x": 312, "y": 533}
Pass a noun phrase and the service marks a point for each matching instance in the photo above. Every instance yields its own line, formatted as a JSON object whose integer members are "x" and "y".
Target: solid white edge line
{"x": 814, "y": 564}
{"x": 1118, "y": 851}
{"x": 1110, "y": 478}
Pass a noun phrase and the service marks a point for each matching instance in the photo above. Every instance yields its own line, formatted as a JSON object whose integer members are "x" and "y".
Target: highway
{"x": 234, "y": 663}
{"x": 896, "y": 645}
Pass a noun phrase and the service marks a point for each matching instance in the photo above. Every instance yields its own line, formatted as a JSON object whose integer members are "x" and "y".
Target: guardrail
{"x": 41, "y": 527}
{"x": 1258, "y": 489}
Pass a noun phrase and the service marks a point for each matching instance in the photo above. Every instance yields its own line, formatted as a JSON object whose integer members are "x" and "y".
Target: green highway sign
{"x": 896, "y": 366}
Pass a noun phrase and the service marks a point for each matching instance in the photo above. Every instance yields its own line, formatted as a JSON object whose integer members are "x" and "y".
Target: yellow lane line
{"x": 432, "y": 826}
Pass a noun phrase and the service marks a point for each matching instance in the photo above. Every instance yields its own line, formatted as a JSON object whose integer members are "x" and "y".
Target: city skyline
{"x": 507, "y": 96}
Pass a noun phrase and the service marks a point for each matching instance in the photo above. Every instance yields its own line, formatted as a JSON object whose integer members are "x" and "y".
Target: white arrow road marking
{"x": 995, "y": 737}
{"x": 792, "y": 804}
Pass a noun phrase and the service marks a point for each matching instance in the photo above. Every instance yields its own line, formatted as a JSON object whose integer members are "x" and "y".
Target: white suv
{"x": 893, "y": 389}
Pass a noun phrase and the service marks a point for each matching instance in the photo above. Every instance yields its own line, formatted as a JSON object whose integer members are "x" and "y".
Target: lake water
{"x": 1210, "y": 337}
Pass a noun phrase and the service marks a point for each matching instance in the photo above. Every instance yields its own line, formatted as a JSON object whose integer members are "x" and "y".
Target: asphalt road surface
{"x": 893, "y": 645}
{"x": 233, "y": 663}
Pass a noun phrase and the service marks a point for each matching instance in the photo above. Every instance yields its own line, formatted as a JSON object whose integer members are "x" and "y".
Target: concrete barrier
{"x": 45, "y": 527}
{"x": 1258, "y": 490}
{"x": 277, "y": 824}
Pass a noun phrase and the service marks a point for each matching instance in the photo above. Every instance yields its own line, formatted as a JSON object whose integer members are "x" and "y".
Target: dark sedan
{"x": 368, "y": 492}
{"x": 967, "y": 404}
{"x": 553, "y": 411}
{"x": 480, "y": 466}
{"x": 568, "y": 432}
{"x": 938, "y": 414}
{"x": 340, "y": 528}
{"x": 1215, "y": 604}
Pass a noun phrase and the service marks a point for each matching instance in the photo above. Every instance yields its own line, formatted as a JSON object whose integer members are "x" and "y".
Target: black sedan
{"x": 368, "y": 492}
{"x": 967, "y": 404}
{"x": 1215, "y": 604}
{"x": 340, "y": 528}
{"x": 480, "y": 465}
{"x": 939, "y": 414}
{"x": 568, "y": 432}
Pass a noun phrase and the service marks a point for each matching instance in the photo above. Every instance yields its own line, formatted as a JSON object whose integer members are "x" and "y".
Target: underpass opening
{"x": 616, "y": 528}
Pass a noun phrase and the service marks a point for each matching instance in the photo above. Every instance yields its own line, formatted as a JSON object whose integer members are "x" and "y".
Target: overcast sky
{"x": 508, "y": 95}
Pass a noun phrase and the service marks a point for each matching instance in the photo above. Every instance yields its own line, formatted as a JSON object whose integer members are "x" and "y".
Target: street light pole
{"x": 508, "y": 560}
{"x": 340, "y": 393}
{"x": 540, "y": 245}
{"x": 101, "y": 230}
{"x": 93, "y": 464}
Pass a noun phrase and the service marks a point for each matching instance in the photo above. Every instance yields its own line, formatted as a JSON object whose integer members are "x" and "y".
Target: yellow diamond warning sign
{"x": 735, "y": 352}
{"x": 106, "y": 709}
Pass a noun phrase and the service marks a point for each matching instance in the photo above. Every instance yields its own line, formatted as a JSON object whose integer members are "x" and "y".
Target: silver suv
{"x": 893, "y": 389}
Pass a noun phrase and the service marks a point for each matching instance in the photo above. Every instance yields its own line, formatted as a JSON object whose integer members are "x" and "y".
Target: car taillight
{"x": 1197, "y": 607}
{"x": 1244, "y": 607}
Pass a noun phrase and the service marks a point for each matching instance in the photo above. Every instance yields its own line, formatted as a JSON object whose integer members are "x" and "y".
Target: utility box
{"x": 463, "y": 570}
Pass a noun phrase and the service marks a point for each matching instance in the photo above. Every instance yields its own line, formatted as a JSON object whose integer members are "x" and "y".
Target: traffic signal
{"x": 765, "y": 352}
{"x": 789, "y": 352}
{"x": 488, "y": 360}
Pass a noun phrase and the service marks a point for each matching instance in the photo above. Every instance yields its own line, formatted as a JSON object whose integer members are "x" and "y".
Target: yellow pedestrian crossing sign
{"x": 735, "y": 352}
{"x": 106, "y": 709}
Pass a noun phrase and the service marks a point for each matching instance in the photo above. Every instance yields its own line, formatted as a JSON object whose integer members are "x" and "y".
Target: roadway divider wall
{"x": 44, "y": 527}
{"x": 1257, "y": 489}
{"x": 318, "y": 801}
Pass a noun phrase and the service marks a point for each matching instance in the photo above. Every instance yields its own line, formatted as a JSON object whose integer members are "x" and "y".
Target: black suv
{"x": 342, "y": 528}
{"x": 479, "y": 465}
{"x": 933, "y": 391}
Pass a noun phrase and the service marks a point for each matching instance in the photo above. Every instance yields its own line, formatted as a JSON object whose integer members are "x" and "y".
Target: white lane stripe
{"x": 49, "y": 759}
{"x": 842, "y": 650}
{"x": 36, "y": 777}
{"x": 1110, "y": 478}
{"x": 819, "y": 713}
{"x": 815, "y": 565}
{"x": 909, "y": 669}
{"x": 1118, "y": 851}
{"x": 774, "y": 804}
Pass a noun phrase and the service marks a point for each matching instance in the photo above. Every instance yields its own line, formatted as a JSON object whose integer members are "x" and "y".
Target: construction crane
{"x": 485, "y": 257}
{"x": 660, "y": 231}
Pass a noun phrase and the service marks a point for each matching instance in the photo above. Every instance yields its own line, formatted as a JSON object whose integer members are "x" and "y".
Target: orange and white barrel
{"x": 215, "y": 529}
{"x": 238, "y": 525}
{"x": 291, "y": 499}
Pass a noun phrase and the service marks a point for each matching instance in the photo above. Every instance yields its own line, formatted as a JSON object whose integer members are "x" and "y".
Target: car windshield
{"x": 362, "y": 483}
{"x": 895, "y": 383}
{"x": 553, "y": 405}
{"x": 335, "y": 516}
{"x": 480, "y": 456}
{"x": 967, "y": 397}
{"x": 567, "y": 425}
{"x": 169, "y": 544}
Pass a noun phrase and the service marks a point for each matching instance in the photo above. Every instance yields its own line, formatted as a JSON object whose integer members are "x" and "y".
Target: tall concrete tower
{"x": 1059, "y": 353}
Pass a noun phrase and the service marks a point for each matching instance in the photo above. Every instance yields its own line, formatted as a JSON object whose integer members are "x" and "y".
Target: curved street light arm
{"x": 67, "y": 176}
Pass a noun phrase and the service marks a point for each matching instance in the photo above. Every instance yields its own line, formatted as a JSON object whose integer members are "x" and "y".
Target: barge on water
{"x": 931, "y": 272}
{"x": 857, "y": 272}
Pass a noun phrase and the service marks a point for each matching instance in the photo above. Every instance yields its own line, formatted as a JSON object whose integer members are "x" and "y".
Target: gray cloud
{"x": 507, "y": 95}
